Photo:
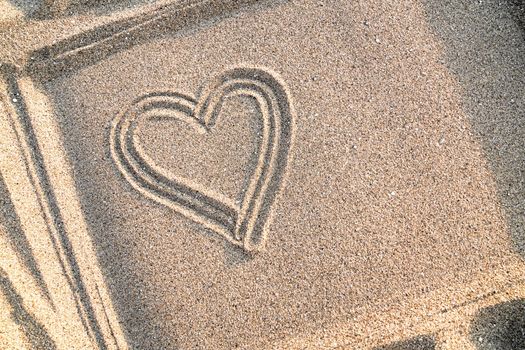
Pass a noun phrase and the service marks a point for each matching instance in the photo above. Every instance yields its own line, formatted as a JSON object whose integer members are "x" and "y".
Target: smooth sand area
{"x": 404, "y": 177}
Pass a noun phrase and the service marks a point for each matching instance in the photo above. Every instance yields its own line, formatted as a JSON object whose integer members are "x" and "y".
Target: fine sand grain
{"x": 399, "y": 173}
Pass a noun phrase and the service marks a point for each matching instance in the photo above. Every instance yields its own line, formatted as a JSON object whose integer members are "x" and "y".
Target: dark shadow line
{"x": 7, "y": 71}
{"x": 77, "y": 286}
{"x": 18, "y": 240}
{"x": 34, "y": 332}
{"x": 420, "y": 342}
{"x": 111, "y": 331}
{"x": 171, "y": 94}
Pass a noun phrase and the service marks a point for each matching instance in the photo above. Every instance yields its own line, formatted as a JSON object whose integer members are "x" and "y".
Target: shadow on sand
{"x": 422, "y": 342}
{"x": 485, "y": 50}
{"x": 500, "y": 327}
{"x": 34, "y": 332}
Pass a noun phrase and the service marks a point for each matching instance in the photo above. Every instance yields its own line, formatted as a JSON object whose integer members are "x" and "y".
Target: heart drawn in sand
{"x": 245, "y": 224}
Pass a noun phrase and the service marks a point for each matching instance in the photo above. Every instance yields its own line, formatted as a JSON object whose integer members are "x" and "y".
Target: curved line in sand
{"x": 242, "y": 225}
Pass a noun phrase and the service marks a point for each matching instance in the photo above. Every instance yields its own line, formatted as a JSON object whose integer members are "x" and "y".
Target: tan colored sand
{"x": 8, "y": 14}
{"x": 406, "y": 174}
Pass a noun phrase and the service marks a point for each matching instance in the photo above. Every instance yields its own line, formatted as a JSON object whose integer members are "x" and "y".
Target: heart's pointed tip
{"x": 203, "y": 129}
{"x": 253, "y": 249}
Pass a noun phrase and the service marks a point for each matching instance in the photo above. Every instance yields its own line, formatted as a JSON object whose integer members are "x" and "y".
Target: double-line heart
{"x": 245, "y": 224}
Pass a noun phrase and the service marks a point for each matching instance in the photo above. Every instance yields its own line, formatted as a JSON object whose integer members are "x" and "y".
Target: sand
{"x": 362, "y": 184}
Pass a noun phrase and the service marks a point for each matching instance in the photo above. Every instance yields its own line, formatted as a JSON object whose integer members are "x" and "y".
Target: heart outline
{"x": 244, "y": 225}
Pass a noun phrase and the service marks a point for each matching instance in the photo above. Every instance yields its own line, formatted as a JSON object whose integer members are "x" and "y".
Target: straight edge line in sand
{"x": 44, "y": 164}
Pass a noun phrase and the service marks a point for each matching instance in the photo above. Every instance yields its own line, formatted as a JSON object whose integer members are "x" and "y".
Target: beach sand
{"x": 404, "y": 177}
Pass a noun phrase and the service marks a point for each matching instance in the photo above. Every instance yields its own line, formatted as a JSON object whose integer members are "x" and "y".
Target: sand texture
{"x": 264, "y": 175}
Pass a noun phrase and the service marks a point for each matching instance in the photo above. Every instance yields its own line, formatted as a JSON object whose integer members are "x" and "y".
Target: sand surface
{"x": 405, "y": 173}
